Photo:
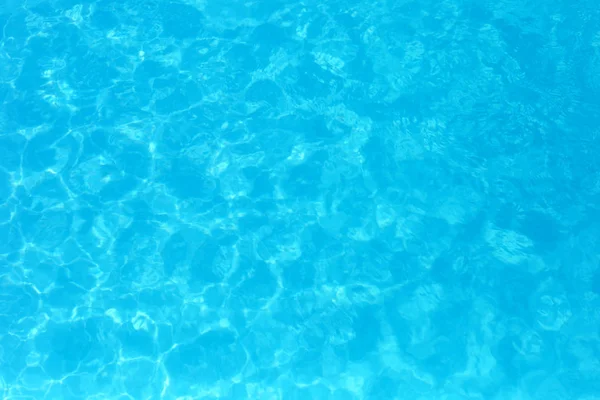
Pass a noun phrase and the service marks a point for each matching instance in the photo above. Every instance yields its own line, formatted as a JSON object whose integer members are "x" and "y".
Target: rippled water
{"x": 300, "y": 200}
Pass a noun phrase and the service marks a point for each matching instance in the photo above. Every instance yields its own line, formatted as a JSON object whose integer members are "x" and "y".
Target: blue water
{"x": 284, "y": 200}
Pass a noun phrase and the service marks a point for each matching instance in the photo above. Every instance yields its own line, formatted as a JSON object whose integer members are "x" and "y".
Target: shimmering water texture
{"x": 283, "y": 200}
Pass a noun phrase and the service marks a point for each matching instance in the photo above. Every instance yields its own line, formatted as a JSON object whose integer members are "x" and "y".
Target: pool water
{"x": 280, "y": 200}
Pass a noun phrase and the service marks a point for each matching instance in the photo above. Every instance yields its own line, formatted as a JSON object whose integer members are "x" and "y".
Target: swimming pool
{"x": 300, "y": 200}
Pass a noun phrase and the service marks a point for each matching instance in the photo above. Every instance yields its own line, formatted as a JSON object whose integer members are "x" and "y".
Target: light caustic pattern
{"x": 300, "y": 200}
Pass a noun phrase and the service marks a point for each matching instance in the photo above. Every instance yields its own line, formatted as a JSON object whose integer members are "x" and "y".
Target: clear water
{"x": 300, "y": 200}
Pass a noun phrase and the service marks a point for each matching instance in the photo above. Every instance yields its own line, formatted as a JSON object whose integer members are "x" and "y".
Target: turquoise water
{"x": 300, "y": 200}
